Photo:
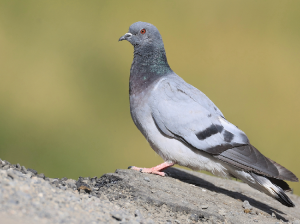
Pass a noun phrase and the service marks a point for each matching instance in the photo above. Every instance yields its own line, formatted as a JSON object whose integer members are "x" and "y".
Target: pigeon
{"x": 185, "y": 127}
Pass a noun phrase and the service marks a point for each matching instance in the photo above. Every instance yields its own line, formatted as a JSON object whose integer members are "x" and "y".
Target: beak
{"x": 125, "y": 37}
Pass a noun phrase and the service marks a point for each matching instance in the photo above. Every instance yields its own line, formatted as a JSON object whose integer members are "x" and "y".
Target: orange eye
{"x": 143, "y": 31}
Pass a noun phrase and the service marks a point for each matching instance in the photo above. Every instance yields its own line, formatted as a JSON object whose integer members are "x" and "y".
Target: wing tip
{"x": 284, "y": 173}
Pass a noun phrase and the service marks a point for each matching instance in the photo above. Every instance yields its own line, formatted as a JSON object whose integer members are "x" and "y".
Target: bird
{"x": 184, "y": 127}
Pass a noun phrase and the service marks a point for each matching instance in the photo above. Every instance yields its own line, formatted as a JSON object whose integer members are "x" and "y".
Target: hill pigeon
{"x": 185, "y": 127}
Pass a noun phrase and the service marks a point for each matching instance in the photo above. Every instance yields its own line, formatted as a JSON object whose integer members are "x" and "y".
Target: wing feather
{"x": 183, "y": 112}
{"x": 253, "y": 160}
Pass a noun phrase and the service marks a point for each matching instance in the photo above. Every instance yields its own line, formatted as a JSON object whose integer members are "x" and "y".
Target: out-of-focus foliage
{"x": 64, "y": 107}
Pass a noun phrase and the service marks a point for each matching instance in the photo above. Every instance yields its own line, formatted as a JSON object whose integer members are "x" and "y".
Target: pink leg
{"x": 154, "y": 170}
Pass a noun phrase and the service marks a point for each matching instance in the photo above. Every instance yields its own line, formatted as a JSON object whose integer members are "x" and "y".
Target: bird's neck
{"x": 149, "y": 64}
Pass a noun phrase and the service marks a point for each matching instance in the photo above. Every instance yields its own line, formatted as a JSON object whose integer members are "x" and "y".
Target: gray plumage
{"x": 185, "y": 127}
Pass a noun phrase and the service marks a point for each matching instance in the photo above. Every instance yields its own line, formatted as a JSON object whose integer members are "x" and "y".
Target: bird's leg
{"x": 155, "y": 170}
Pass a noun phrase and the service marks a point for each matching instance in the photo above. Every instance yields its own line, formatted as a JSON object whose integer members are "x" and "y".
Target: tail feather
{"x": 273, "y": 187}
{"x": 280, "y": 183}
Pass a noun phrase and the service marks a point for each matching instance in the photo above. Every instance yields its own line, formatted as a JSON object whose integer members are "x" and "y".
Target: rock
{"x": 137, "y": 213}
{"x": 247, "y": 211}
{"x": 147, "y": 179}
{"x": 273, "y": 215}
{"x": 86, "y": 180}
{"x": 194, "y": 217}
{"x": 23, "y": 170}
{"x": 6, "y": 167}
{"x": 222, "y": 212}
{"x": 120, "y": 215}
{"x": 71, "y": 183}
{"x": 6, "y": 162}
{"x": 124, "y": 197}
{"x": 32, "y": 171}
{"x": 247, "y": 206}
{"x": 83, "y": 186}
{"x": 63, "y": 187}
{"x": 81, "y": 191}
{"x": 94, "y": 180}
{"x": 11, "y": 174}
{"x": 28, "y": 174}
{"x": 41, "y": 175}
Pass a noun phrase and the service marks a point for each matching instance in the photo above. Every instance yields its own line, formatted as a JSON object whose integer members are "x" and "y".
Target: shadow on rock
{"x": 191, "y": 179}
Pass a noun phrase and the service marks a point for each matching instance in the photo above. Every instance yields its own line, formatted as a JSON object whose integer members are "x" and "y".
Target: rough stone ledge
{"x": 128, "y": 196}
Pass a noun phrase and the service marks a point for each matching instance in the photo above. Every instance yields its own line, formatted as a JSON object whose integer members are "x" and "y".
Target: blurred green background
{"x": 64, "y": 105}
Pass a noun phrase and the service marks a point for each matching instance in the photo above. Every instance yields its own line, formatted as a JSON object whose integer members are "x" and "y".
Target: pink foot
{"x": 154, "y": 170}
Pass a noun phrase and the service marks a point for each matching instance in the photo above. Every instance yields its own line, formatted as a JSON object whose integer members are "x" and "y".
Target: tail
{"x": 273, "y": 187}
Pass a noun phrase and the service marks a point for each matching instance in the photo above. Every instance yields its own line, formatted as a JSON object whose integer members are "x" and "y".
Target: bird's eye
{"x": 143, "y": 31}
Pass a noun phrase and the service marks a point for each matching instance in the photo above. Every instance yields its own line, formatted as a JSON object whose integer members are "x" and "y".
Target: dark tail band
{"x": 274, "y": 188}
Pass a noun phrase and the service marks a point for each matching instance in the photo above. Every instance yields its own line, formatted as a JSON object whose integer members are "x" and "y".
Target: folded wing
{"x": 183, "y": 112}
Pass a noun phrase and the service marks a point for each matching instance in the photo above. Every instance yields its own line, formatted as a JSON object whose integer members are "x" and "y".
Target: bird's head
{"x": 143, "y": 34}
